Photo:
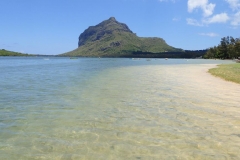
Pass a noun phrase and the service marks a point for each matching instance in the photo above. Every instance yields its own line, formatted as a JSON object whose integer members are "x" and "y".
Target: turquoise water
{"x": 91, "y": 108}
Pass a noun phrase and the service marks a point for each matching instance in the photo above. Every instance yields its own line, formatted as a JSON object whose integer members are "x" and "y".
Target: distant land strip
{"x": 4, "y": 52}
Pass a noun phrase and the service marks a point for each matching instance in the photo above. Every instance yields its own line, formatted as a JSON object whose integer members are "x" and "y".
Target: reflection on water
{"x": 122, "y": 112}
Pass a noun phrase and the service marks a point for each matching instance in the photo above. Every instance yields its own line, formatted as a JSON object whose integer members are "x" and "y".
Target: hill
{"x": 111, "y": 38}
{"x": 4, "y": 52}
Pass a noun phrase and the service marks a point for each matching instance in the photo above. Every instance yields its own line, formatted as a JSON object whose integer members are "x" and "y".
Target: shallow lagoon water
{"x": 90, "y": 108}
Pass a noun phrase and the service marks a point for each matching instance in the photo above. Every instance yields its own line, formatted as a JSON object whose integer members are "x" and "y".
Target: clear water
{"x": 90, "y": 108}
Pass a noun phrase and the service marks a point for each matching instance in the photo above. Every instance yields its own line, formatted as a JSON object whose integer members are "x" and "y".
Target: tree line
{"x": 229, "y": 48}
{"x": 182, "y": 54}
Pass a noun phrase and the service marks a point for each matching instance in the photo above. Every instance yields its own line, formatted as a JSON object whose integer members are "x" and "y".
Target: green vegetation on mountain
{"x": 4, "y": 52}
{"x": 228, "y": 48}
{"x": 229, "y": 72}
{"x": 111, "y": 38}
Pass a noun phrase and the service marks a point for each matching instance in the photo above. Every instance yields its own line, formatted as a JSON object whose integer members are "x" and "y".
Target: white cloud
{"x": 193, "y": 22}
{"x": 209, "y": 34}
{"x": 234, "y": 4}
{"x": 236, "y": 19}
{"x": 206, "y": 7}
{"x": 209, "y": 17}
{"x": 218, "y": 18}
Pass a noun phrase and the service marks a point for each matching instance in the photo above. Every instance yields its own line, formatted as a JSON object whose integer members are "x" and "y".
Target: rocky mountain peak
{"x": 112, "y": 19}
{"x": 103, "y": 29}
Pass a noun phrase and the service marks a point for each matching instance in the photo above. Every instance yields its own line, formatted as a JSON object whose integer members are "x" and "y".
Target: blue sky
{"x": 53, "y": 26}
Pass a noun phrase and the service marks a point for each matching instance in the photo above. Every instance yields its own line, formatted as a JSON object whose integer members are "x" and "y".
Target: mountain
{"x": 111, "y": 38}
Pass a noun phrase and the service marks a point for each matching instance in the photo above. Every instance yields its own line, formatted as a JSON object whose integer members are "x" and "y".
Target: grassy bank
{"x": 229, "y": 72}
